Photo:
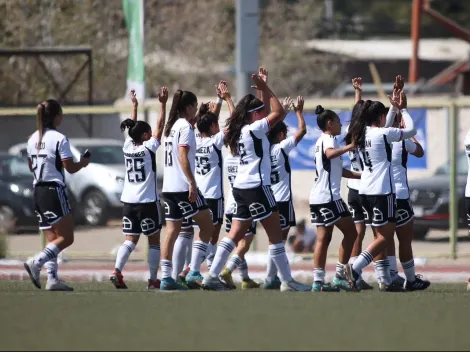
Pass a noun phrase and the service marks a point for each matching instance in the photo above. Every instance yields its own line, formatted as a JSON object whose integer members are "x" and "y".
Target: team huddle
{"x": 378, "y": 142}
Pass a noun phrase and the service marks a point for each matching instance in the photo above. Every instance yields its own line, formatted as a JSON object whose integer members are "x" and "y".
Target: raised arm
{"x": 135, "y": 104}
{"x": 357, "y": 84}
{"x": 277, "y": 113}
{"x": 218, "y": 107}
{"x": 163, "y": 98}
{"x": 302, "y": 127}
{"x": 394, "y": 100}
{"x": 225, "y": 95}
{"x": 263, "y": 73}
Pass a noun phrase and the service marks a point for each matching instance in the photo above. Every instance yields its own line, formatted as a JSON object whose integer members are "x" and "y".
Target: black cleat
{"x": 418, "y": 285}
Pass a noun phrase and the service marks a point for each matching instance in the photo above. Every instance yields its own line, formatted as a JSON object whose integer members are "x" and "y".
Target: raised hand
{"x": 163, "y": 95}
{"x": 288, "y": 103}
{"x": 357, "y": 83}
{"x": 134, "y": 99}
{"x": 402, "y": 101}
{"x": 300, "y": 104}
{"x": 222, "y": 90}
{"x": 263, "y": 73}
{"x": 395, "y": 98}
{"x": 260, "y": 83}
{"x": 399, "y": 82}
{"x": 212, "y": 106}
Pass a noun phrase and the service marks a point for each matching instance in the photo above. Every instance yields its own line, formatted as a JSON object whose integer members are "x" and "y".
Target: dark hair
{"x": 356, "y": 112}
{"x": 181, "y": 100}
{"x": 239, "y": 118}
{"x": 276, "y": 130}
{"x": 205, "y": 119}
{"x": 323, "y": 116}
{"x": 370, "y": 114}
{"x": 46, "y": 113}
{"x": 136, "y": 129}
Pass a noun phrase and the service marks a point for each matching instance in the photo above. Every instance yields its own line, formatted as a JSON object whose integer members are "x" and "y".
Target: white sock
{"x": 198, "y": 255}
{"x": 352, "y": 260}
{"x": 362, "y": 261}
{"x": 278, "y": 254}
{"x": 383, "y": 270}
{"x": 234, "y": 262}
{"x": 51, "y": 268}
{"x": 123, "y": 254}
{"x": 243, "y": 269}
{"x": 377, "y": 274}
{"x": 271, "y": 270}
{"x": 319, "y": 275}
{"x": 409, "y": 269}
{"x": 153, "y": 260}
{"x": 180, "y": 249}
{"x": 166, "y": 268}
{"x": 340, "y": 271}
{"x": 211, "y": 249}
{"x": 48, "y": 253}
{"x": 225, "y": 247}
{"x": 393, "y": 266}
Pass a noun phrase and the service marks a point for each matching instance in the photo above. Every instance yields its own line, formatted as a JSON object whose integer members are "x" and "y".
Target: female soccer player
{"x": 377, "y": 185}
{"x": 404, "y": 212}
{"x": 326, "y": 206}
{"x": 48, "y": 154}
{"x": 141, "y": 211}
{"x": 180, "y": 192}
{"x": 281, "y": 145}
{"x": 246, "y": 135}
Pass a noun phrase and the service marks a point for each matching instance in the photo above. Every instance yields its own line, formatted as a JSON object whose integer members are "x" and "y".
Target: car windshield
{"x": 14, "y": 167}
{"x": 103, "y": 154}
{"x": 462, "y": 166}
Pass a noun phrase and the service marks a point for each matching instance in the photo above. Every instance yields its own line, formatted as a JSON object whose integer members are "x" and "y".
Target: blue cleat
{"x": 274, "y": 284}
{"x": 169, "y": 284}
{"x": 194, "y": 280}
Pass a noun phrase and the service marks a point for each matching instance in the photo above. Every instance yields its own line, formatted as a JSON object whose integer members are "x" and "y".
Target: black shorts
{"x": 187, "y": 224}
{"x": 355, "y": 206}
{"x": 216, "y": 207}
{"x": 228, "y": 225}
{"x": 51, "y": 203}
{"x": 404, "y": 212}
{"x": 380, "y": 209}
{"x": 144, "y": 218}
{"x": 178, "y": 207}
{"x": 254, "y": 203}
{"x": 328, "y": 214}
{"x": 467, "y": 206}
{"x": 286, "y": 214}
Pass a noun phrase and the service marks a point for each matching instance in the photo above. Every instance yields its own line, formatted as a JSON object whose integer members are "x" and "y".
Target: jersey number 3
{"x": 135, "y": 170}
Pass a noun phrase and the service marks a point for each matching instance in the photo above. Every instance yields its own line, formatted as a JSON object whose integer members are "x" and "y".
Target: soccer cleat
{"x": 153, "y": 285}
{"x": 214, "y": 284}
{"x": 272, "y": 284}
{"x": 399, "y": 280}
{"x": 170, "y": 284}
{"x": 194, "y": 280}
{"x": 33, "y": 271}
{"x": 247, "y": 284}
{"x": 323, "y": 287}
{"x": 182, "y": 275}
{"x": 118, "y": 280}
{"x": 57, "y": 285}
{"x": 342, "y": 284}
{"x": 417, "y": 285}
{"x": 362, "y": 285}
{"x": 226, "y": 277}
{"x": 292, "y": 285}
{"x": 390, "y": 288}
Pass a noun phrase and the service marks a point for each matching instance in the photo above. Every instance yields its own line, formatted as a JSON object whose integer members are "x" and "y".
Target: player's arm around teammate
{"x": 48, "y": 153}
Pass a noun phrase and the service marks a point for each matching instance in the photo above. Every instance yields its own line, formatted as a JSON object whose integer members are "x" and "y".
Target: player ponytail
{"x": 370, "y": 114}
{"x": 354, "y": 119}
{"x": 136, "y": 129}
{"x": 240, "y": 117}
{"x": 46, "y": 112}
{"x": 274, "y": 133}
{"x": 205, "y": 119}
{"x": 181, "y": 100}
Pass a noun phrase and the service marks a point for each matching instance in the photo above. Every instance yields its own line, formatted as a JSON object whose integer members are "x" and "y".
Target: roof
{"x": 394, "y": 49}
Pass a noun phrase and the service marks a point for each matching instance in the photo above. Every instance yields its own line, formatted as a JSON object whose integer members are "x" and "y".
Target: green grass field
{"x": 97, "y": 317}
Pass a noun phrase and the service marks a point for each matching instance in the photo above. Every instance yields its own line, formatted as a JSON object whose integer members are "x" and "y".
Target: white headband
{"x": 256, "y": 109}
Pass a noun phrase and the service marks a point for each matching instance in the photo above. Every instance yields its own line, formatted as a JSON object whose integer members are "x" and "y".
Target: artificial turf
{"x": 98, "y": 317}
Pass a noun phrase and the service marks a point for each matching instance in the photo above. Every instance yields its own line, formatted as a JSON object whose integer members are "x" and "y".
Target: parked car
{"x": 16, "y": 195}
{"x": 430, "y": 197}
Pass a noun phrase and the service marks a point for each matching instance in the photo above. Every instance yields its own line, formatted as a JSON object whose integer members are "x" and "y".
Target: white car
{"x": 94, "y": 191}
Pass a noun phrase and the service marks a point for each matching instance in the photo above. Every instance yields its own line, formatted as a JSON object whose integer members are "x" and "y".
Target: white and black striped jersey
{"x": 329, "y": 172}
{"x": 467, "y": 151}
{"x": 280, "y": 169}
{"x": 47, "y": 159}
{"x": 140, "y": 182}
{"x": 400, "y": 152}
{"x": 209, "y": 165}
{"x": 253, "y": 149}
{"x": 376, "y": 156}
{"x": 231, "y": 167}
{"x": 181, "y": 134}
{"x": 356, "y": 166}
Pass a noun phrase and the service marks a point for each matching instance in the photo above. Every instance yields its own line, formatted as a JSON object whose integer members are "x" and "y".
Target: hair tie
{"x": 256, "y": 109}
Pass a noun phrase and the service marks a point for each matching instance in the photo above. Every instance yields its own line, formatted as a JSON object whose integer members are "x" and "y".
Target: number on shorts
{"x": 168, "y": 154}
{"x": 203, "y": 165}
{"x": 367, "y": 161}
{"x": 38, "y": 161}
{"x": 274, "y": 177}
{"x": 135, "y": 170}
{"x": 242, "y": 153}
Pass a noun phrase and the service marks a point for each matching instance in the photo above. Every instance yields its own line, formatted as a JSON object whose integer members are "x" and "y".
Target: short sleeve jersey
{"x": 231, "y": 164}
{"x": 181, "y": 135}
{"x": 329, "y": 172}
{"x": 280, "y": 169}
{"x": 46, "y": 157}
{"x": 140, "y": 182}
{"x": 376, "y": 156}
{"x": 400, "y": 152}
{"x": 209, "y": 164}
{"x": 253, "y": 149}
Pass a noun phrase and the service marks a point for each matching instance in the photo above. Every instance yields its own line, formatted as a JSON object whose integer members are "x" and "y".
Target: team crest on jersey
{"x": 378, "y": 215}
{"x": 126, "y": 223}
{"x": 402, "y": 215}
{"x": 327, "y": 214}
{"x": 147, "y": 224}
{"x": 257, "y": 209}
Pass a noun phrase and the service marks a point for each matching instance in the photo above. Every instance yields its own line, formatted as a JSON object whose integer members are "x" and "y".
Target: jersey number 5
{"x": 135, "y": 170}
